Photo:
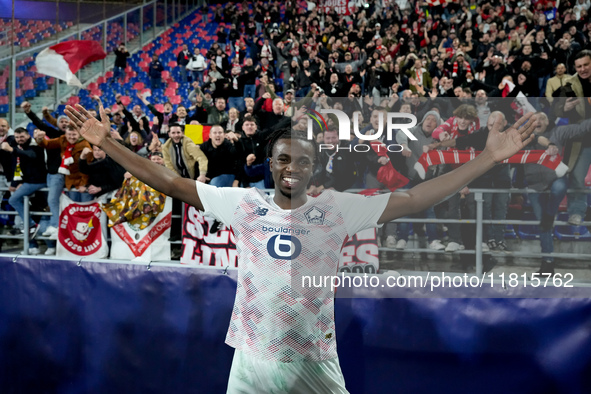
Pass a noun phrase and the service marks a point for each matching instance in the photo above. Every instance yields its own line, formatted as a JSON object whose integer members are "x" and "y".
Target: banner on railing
{"x": 80, "y": 230}
{"x": 360, "y": 253}
{"x": 207, "y": 241}
{"x": 151, "y": 243}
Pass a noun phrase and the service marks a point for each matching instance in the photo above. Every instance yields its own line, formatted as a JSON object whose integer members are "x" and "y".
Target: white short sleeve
{"x": 220, "y": 202}
{"x": 360, "y": 212}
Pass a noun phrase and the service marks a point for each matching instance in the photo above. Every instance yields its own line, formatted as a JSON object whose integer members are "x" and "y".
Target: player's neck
{"x": 289, "y": 202}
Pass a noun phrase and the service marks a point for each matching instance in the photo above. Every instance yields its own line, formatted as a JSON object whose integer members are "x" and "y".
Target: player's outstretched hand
{"x": 503, "y": 144}
{"x": 89, "y": 127}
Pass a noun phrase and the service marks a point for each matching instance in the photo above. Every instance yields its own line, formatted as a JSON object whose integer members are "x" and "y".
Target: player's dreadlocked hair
{"x": 288, "y": 133}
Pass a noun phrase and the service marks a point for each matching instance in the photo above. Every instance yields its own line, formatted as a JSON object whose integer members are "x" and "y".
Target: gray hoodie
{"x": 416, "y": 147}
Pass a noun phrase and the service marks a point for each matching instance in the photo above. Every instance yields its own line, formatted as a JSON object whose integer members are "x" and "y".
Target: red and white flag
{"x": 64, "y": 59}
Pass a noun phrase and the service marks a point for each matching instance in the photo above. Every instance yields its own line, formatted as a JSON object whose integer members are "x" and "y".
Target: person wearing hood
{"x": 431, "y": 120}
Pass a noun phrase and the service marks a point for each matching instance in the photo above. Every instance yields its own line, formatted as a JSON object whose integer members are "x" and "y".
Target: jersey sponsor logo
{"x": 315, "y": 215}
{"x": 260, "y": 211}
{"x": 284, "y": 247}
{"x": 285, "y": 230}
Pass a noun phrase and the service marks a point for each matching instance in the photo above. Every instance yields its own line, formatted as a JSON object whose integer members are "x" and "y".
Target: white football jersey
{"x": 274, "y": 316}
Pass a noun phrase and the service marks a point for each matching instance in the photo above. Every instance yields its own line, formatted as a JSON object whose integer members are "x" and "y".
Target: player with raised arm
{"x": 284, "y": 335}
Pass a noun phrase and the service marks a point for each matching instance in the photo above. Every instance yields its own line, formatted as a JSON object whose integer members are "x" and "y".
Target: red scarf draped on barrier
{"x": 436, "y": 157}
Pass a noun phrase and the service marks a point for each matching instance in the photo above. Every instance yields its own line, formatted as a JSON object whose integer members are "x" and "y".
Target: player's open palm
{"x": 89, "y": 127}
{"x": 504, "y": 144}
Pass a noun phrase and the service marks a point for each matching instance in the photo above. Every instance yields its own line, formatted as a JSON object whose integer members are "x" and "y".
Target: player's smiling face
{"x": 291, "y": 165}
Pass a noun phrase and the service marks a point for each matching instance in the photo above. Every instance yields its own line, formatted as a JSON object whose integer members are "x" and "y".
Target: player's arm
{"x": 158, "y": 177}
{"x": 499, "y": 146}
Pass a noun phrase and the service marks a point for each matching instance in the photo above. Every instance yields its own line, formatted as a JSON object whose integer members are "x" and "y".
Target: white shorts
{"x": 251, "y": 375}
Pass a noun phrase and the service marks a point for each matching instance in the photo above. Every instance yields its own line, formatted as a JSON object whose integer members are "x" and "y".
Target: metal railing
{"x": 478, "y": 221}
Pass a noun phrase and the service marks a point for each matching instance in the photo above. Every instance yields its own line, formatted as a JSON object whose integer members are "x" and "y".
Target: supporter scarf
{"x": 166, "y": 118}
{"x": 387, "y": 174}
{"x": 466, "y": 66}
{"x": 419, "y": 75}
{"x": 18, "y": 173}
{"x": 436, "y": 157}
{"x": 67, "y": 159}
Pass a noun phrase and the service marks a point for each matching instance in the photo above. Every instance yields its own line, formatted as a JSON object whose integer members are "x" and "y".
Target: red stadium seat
{"x": 562, "y": 206}
{"x": 138, "y": 85}
{"x": 73, "y": 100}
{"x": 172, "y": 64}
{"x": 159, "y": 107}
{"x": 125, "y": 100}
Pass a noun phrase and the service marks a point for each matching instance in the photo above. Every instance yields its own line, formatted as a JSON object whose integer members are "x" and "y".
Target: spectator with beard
{"x": 55, "y": 180}
{"x": 31, "y": 160}
{"x": 253, "y": 142}
{"x": 494, "y": 70}
{"x": 70, "y": 145}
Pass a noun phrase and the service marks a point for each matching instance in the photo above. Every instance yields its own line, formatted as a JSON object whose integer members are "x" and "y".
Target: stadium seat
{"x": 529, "y": 231}
{"x": 570, "y": 233}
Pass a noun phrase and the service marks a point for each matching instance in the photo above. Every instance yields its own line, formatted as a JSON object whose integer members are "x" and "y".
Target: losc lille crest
{"x": 80, "y": 229}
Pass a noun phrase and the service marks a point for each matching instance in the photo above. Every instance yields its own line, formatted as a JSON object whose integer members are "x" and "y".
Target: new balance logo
{"x": 260, "y": 211}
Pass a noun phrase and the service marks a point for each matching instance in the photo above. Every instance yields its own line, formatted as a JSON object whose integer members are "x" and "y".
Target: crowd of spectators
{"x": 459, "y": 67}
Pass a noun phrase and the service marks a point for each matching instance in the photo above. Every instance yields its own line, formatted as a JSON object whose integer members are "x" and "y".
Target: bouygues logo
{"x": 391, "y": 124}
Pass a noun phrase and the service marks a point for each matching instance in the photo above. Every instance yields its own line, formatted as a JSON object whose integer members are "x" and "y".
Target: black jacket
{"x": 269, "y": 121}
{"x": 220, "y": 160}
{"x": 106, "y": 174}
{"x": 54, "y": 156}
{"x": 121, "y": 58}
{"x": 32, "y": 161}
{"x": 7, "y": 160}
{"x": 256, "y": 144}
{"x": 183, "y": 58}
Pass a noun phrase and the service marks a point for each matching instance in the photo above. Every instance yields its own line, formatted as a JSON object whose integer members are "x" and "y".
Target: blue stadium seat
{"x": 510, "y": 232}
{"x": 571, "y": 233}
{"x": 529, "y": 231}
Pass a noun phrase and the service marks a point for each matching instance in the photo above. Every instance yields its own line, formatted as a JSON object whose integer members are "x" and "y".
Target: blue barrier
{"x": 107, "y": 327}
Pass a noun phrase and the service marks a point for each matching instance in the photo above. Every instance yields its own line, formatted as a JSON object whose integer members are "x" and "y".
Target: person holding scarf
{"x": 71, "y": 146}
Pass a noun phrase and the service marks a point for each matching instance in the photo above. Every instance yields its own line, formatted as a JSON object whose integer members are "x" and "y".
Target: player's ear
{"x": 271, "y": 163}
